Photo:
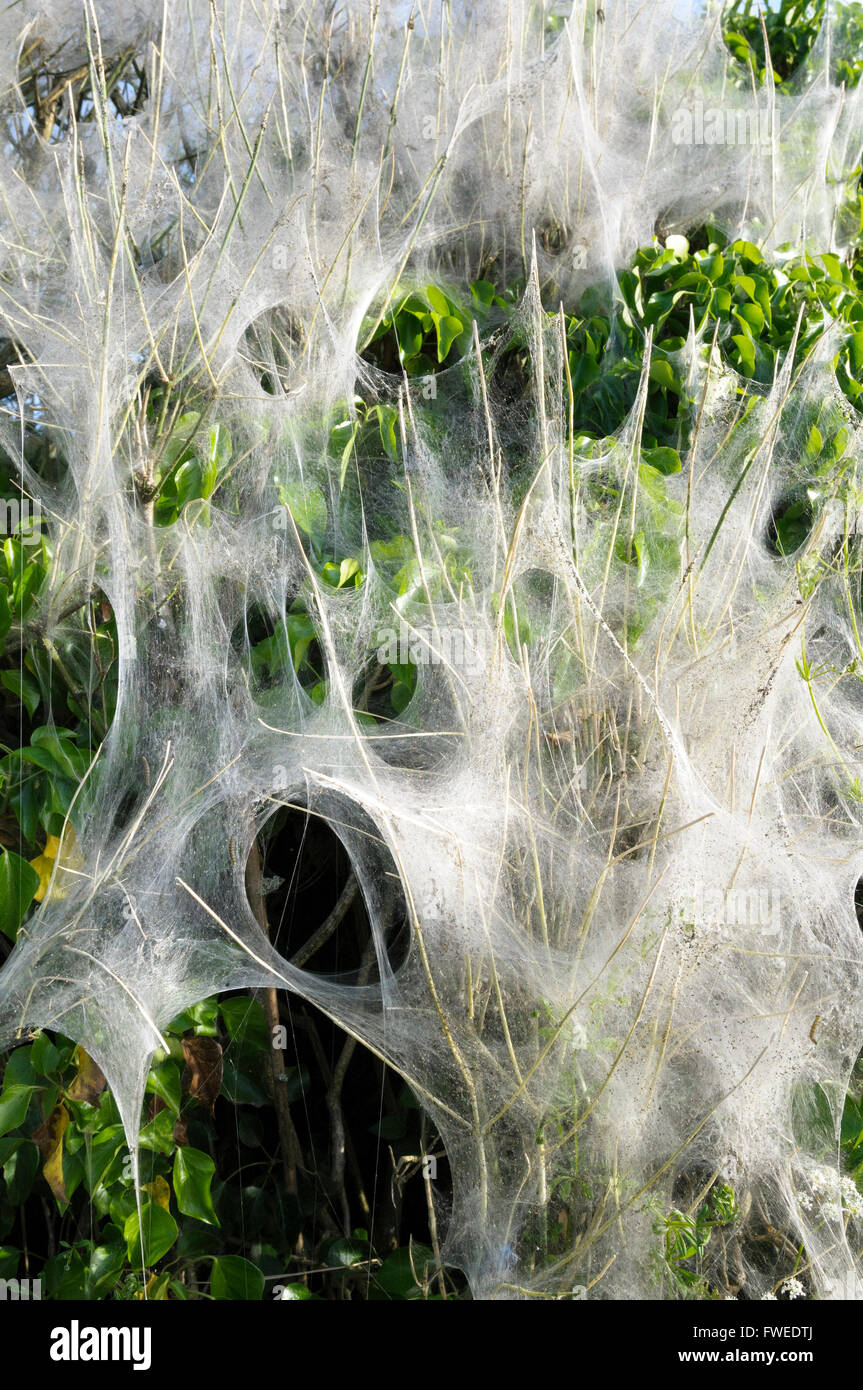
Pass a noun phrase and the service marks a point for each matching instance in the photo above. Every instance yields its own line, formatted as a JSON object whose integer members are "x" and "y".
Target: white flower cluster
{"x": 834, "y": 1195}
{"x": 793, "y": 1288}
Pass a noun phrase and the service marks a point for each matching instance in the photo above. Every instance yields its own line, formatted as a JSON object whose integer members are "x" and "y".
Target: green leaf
{"x": 347, "y": 570}
{"x": 665, "y": 461}
{"x": 483, "y": 292}
{"x": 660, "y": 306}
{"x": 106, "y": 1266}
{"x": 447, "y": 329}
{"x": 747, "y": 252}
{"x": 14, "y": 1104}
{"x": 188, "y": 483}
{"x": 662, "y": 373}
{"x": 746, "y": 284}
{"x": 218, "y": 457}
{"x": 301, "y": 635}
{"x": 19, "y": 1069}
{"x": 5, "y": 613}
{"x": 712, "y": 265}
{"x": 421, "y": 365}
{"x": 44, "y": 1055}
{"x": 159, "y": 1229}
{"x": 438, "y": 300}
{"x": 852, "y": 1123}
{"x": 65, "y": 1276}
{"x": 26, "y": 802}
{"x": 387, "y": 418}
{"x": 235, "y": 1278}
{"x": 746, "y": 349}
{"x": 855, "y": 351}
{"x": 403, "y": 687}
{"x": 23, "y": 687}
{"x": 203, "y": 1017}
{"x": 400, "y": 1271}
{"x": 19, "y": 1172}
{"x": 8, "y": 1147}
{"x": 752, "y": 316}
{"x": 164, "y": 1081}
{"x": 307, "y": 506}
{"x": 347, "y": 450}
{"x": 240, "y": 1088}
{"x": 103, "y": 1150}
{"x": 197, "y": 1240}
{"x": 793, "y": 526}
{"x": 18, "y": 882}
{"x": 409, "y": 333}
{"x": 193, "y": 1174}
{"x": 814, "y": 443}
{"x": 181, "y": 435}
{"x": 59, "y": 746}
{"x": 158, "y": 1134}
{"x": 245, "y": 1021}
{"x": 347, "y": 1252}
{"x": 36, "y": 756}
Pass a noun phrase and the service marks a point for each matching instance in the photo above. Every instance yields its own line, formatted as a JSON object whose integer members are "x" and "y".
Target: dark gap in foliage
{"x": 309, "y": 882}
{"x": 60, "y": 90}
{"x": 271, "y": 648}
{"x": 790, "y": 524}
{"x": 272, "y": 346}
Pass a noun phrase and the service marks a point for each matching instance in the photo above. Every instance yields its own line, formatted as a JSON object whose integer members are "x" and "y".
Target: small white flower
{"x": 834, "y": 1194}
{"x": 850, "y": 1197}
{"x": 768, "y": 1298}
{"x": 793, "y": 1288}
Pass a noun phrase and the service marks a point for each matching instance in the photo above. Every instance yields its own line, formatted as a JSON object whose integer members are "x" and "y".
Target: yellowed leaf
{"x": 44, "y": 868}
{"x": 157, "y": 1288}
{"x": 159, "y": 1192}
{"x": 65, "y": 854}
{"x": 89, "y": 1081}
{"x": 49, "y": 1138}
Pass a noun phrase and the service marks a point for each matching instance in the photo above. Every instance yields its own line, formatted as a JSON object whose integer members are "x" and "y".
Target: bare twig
{"x": 329, "y": 925}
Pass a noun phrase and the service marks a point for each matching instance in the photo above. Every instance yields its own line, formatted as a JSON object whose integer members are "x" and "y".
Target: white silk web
{"x": 628, "y": 845}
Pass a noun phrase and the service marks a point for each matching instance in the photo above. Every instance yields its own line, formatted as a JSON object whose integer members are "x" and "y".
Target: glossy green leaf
{"x": 159, "y": 1232}
{"x": 165, "y": 1081}
{"x": 664, "y": 460}
{"x": 400, "y": 1272}
{"x": 18, "y": 882}
{"x": 234, "y": 1278}
{"x": 307, "y": 507}
{"x": 447, "y": 329}
{"x": 23, "y": 687}
{"x": 193, "y": 1175}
